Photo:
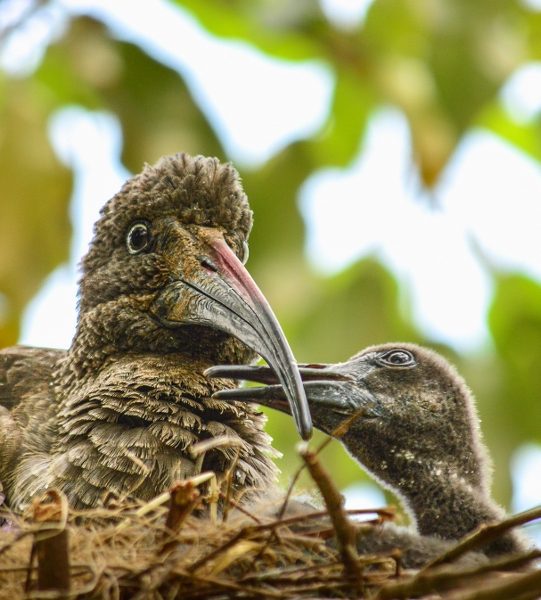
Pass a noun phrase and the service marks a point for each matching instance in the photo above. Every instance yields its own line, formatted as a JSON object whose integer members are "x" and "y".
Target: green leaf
{"x": 339, "y": 141}
{"x": 525, "y": 136}
{"x": 86, "y": 67}
{"x": 34, "y": 223}
{"x": 358, "y": 307}
{"x": 155, "y": 107}
{"x": 515, "y": 323}
{"x": 510, "y": 387}
{"x": 442, "y": 63}
{"x": 278, "y": 28}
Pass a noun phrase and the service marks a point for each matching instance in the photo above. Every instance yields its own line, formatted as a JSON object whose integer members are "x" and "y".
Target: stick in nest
{"x": 183, "y": 499}
{"x": 51, "y": 543}
{"x": 334, "y": 501}
{"x": 485, "y": 534}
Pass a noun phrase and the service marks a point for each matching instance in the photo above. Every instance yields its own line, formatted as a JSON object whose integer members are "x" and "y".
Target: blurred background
{"x": 390, "y": 150}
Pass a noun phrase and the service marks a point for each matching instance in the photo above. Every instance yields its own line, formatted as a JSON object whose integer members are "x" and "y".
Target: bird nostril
{"x": 208, "y": 264}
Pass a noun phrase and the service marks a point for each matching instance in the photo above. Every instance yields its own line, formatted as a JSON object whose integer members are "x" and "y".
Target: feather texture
{"x": 120, "y": 409}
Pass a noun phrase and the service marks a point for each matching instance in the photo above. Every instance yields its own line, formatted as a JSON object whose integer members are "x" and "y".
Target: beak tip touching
{"x": 296, "y": 397}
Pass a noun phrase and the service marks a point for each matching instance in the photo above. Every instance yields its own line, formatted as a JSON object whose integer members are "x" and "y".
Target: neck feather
{"x": 121, "y": 327}
{"x": 444, "y": 504}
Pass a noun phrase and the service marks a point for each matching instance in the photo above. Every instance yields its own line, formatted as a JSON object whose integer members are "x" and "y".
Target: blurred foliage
{"x": 440, "y": 62}
{"x": 34, "y": 224}
{"x": 155, "y": 108}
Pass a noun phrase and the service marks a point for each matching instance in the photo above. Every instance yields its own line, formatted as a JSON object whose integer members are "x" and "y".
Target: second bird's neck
{"x": 445, "y": 505}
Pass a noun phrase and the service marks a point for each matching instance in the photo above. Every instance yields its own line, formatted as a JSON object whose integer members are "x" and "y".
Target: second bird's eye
{"x": 398, "y": 358}
{"x": 138, "y": 238}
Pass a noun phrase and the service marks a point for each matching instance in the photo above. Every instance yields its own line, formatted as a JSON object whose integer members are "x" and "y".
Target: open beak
{"x": 220, "y": 293}
{"x": 324, "y": 386}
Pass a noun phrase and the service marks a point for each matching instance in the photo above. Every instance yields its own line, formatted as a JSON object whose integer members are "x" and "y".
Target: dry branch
{"x": 51, "y": 543}
{"x": 334, "y": 501}
{"x": 486, "y": 534}
{"x": 117, "y": 552}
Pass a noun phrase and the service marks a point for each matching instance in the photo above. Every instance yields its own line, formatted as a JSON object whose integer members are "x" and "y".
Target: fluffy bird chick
{"x": 163, "y": 295}
{"x": 413, "y": 426}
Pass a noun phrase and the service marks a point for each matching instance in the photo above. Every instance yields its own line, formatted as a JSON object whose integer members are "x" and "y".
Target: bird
{"x": 412, "y": 425}
{"x": 163, "y": 294}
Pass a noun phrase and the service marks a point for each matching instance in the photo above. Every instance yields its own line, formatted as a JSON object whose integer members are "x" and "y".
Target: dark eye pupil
{"x": 138, "y": 238}
{"x": 398, "y": 358}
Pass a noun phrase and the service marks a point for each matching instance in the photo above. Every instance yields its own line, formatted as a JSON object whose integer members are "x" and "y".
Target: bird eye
{"x": 138, "y": 238}
{"x": 398, "y": 358}
{"x": 245, "y": 252}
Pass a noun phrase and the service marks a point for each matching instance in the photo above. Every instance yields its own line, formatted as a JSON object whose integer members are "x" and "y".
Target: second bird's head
{"x": 399, "y": 409}
{"x": 165, "y": 273}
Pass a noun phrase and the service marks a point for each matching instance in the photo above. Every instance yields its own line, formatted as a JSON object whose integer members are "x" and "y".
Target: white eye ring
{"x": 245, "y": 252}
{"x": 138, "y": 237}
{"x": 398, "y": 358}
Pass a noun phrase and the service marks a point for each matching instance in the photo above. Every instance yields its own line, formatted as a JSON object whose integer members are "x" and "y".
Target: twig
{"x": 510, "y": 563}
{"x": 334, "y": 501}
{"x": 143, "y": 510}
{"x": 29, "y": 12}
{"x": 51, "y": 543}
{"x": 344, "y": 426}
{"x": 213, "y": 497}
{"x": 215, "y": 442}
{"x": 442, "y": 578}
{"x": 229, "y": 485}
{"x": 485, "y": 534}
{"x": 284, "y": 572}
{"x": 160, "y": 500}
{"x": 184, "y": 497}
{"x": 338, "y": 432}
{"x": 231, "y": 585}
{"x": 524, "y": 587}
{"x": 245, "y": 512}
{"x": 243, "y": 533}
{"x": 289, "y": 491}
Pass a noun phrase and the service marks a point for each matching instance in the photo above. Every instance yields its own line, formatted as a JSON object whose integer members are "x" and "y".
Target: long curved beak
{"x": 322, "y": 383}
{"x": 337, "y": 393}
{"x": 220, "y": 293}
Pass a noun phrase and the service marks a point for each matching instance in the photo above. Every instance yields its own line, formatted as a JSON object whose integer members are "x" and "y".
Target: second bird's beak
{"x": 324, "y": 387}
{"x": 220, "y": 293}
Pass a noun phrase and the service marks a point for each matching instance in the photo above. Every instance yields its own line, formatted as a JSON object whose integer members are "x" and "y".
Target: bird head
{"x": 397, "y": 408}
{"x": 165, "y": 273}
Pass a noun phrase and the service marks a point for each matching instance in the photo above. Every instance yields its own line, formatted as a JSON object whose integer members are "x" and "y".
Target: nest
{"x": 188, "y": 545}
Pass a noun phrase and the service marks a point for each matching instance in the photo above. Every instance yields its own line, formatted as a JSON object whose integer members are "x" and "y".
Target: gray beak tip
{"x": 305, "y": 430}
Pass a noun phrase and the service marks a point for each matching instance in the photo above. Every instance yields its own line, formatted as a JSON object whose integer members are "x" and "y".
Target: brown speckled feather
{"x": 121, "y": 409}
{"x": 129, "y": 432}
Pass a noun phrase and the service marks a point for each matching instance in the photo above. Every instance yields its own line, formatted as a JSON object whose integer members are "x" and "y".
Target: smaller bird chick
{"x": 414, "y": 428}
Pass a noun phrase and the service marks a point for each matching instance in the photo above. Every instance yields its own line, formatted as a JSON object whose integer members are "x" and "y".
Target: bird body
{"x": 413, "y": 426}
{"x": 128, "y": 432}
{"x": 163, "y": 296}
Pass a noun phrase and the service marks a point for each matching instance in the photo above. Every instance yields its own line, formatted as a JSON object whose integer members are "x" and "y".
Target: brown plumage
{"x": 416, "y": 431}
{"x": 161, "y": 296}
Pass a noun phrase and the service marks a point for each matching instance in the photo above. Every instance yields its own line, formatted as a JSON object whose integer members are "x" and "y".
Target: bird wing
{"x": 130, "y": 429}
{"x": 27, "y": 403}
{"x": 24, "y": 369}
